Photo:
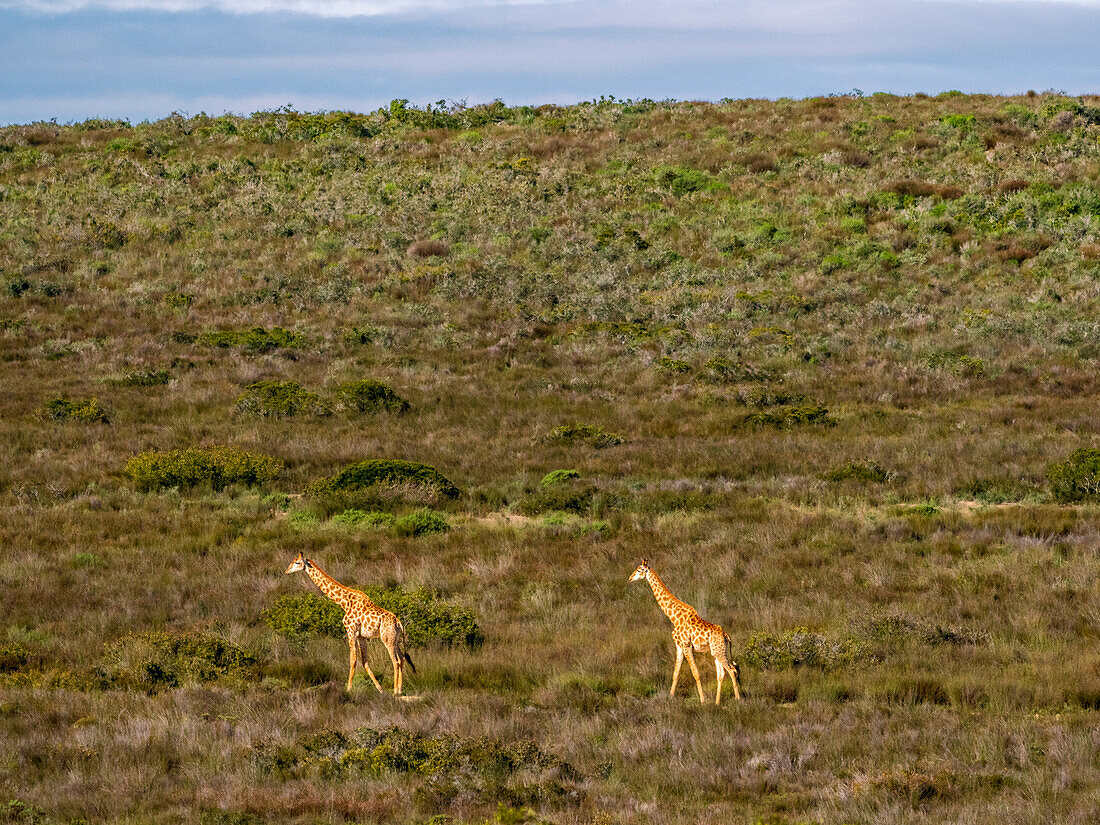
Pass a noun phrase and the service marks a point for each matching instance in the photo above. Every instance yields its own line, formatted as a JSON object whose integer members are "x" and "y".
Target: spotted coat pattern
{"x": 692, "y": 634}
{"x": 363, "y": 620}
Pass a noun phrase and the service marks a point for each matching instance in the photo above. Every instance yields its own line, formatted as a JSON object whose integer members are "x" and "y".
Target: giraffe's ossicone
{"x": 363, "y": 620}
{"x": 692, "y": 634}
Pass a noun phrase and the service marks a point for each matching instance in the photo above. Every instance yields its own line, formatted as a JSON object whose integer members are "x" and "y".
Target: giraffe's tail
{"x": 403, "y": 645}
{"x": 731, "y": 665}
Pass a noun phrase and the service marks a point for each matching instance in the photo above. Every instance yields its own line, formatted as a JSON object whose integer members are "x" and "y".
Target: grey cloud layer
{"x": 146, "y": 64}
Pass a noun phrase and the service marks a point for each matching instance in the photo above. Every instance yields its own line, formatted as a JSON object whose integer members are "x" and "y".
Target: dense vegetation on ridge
{"x": 830, "y": 364}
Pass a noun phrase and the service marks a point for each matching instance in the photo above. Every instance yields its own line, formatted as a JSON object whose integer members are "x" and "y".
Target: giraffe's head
{"x": 642, "y": 571}
{"x": 300, "y": 563}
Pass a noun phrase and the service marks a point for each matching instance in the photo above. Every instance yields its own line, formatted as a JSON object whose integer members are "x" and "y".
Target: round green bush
{"x": 367, "y": 397}
{"x": 87, "y": 412}
{"x": 598, "y": 437}
{"x": 278, "y": 399}
{"x": 1078, "y": 477}
{"x": 421, "y": 522}
{"x": 384, "y": 471}
{"x": 558, "y": 477}
{"x": 217, "y": 466}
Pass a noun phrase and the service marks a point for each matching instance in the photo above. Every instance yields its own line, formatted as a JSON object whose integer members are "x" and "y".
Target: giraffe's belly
{"x": 369, "y": 630}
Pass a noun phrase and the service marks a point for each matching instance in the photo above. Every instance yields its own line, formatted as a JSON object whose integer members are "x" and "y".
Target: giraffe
{"x": 363, "y": 620}
{"x": 691, "y": 633}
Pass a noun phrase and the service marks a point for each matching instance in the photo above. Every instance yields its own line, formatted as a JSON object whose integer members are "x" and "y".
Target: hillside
{"x": 829, "y": 364}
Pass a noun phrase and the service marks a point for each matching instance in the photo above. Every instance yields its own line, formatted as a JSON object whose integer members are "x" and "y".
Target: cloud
{"x": 787, "y": 10}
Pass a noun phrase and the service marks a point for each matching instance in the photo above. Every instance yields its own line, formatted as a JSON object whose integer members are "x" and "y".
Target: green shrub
{"x": 384, "y": 471}
{"x": 558, "y": 477}
{"x": 673, "y": 365}
{"x": 724, "y": 370}
{"x": 144, "y": 378}
{"x": 769, "y": 397}
{"x": 861, "y": 471}
{"x": 425, "y": 616}
{"x": 958, "y": 363}
{"x": 165, "y": 659}
{"x": 256, "y": 339}
{"x": 217, "y": 466}
{"x": 799, "y": 647}
{"x": 302, "y": 617}
{"x": 13, "y": 657}
{"x": 359, "y": 518}
{"x": 86, "y": 412}
{"x": 1078, "y": 477}
{"x": 421, "y": 522}
{"x": 790, "y": 417}
{"x": 278, "y": 399}
{"x": 682, "y": 180}
{"x": 367, "y": 397}
{"x": 565, "y": 497}
{"x": 596, "y": 436}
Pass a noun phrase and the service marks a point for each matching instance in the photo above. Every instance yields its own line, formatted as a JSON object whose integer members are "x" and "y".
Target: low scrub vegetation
{"x": 216, "y": 467}
{"x": 829, "y": 363}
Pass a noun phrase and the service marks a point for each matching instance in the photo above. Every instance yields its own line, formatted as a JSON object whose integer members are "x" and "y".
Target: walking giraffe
{"x": 691, "y": 633}
{"x": 363, "y": 620}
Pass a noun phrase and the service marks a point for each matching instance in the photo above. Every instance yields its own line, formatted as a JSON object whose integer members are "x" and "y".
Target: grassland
{"x": 814, "y": 359}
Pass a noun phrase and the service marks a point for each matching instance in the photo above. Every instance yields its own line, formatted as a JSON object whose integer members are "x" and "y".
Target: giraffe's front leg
{"x": 695, "y": 672}
{"x": 676, "y": 670}
{"x": 353, "y": 654}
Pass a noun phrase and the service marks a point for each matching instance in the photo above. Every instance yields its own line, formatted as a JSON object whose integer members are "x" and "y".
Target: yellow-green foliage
{"x": 425, "y": 616}
{"x": 86, "y": 412}
{"x": 277, "y": 399}
{"x": 597, "y": 437}
{"x": 1078, "y": 477}
{"x": 217, "y": 467}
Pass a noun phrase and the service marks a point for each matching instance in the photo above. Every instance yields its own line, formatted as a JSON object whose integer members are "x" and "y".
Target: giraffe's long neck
{"x": 329, "y": 586}
{"x": 665, "y": 599}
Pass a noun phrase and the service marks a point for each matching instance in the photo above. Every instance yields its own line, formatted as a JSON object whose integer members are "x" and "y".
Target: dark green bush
{"x": 722, "y": 369}
{"x": 596, "y": 436}
{"x": 861, "y": 471}
{"x": 87, "y": 412}
{"x": 256, "y": 339}
{"x": 216, "y": 466}
{"x": 673, "y": 365}
{"x": 163, "y": 659}
{"x": 1077, "y": 478}
{"x": 13, "y": 657}
{"x": 367, "y": 397}
{"x": 565, "y": 497}
{"x": 790, "y": 417}
{"x": 558, "y": 477}
{"x": 769, "y": 397}
{"x": 359, "y": 518}
{"x": 278, "y": 399}
{"x": 385, "y": 471}
{"x": 144, "y": 377}
{"x": 799, "y": 647}
{"x": 421, "y": 522}
{"x": 681, "y": 180}
{"x": 425, "y": 616}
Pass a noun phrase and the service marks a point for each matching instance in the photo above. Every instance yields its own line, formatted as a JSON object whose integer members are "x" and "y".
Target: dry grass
{"x": 922, "y": 268}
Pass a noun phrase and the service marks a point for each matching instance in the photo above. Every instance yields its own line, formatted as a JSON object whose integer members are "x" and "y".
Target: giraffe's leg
{"x": 695, "y": 672}
{"x": 676, "y": 670}
{"x": 721, "y": 675}
{"x": 354, "y": 656}
{"x": 734, "y": 672}
{"x": 361, "y": 643}
{"x": 388, "y": 635}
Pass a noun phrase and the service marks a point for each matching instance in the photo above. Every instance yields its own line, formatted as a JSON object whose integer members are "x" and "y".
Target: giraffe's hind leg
{"x": 361, "y": 644}
{"x": 721, "y": 674}
{"x": 388, "y": 634}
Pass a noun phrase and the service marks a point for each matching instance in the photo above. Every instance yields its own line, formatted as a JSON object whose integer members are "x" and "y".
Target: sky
{"x": 68, "y": 60}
